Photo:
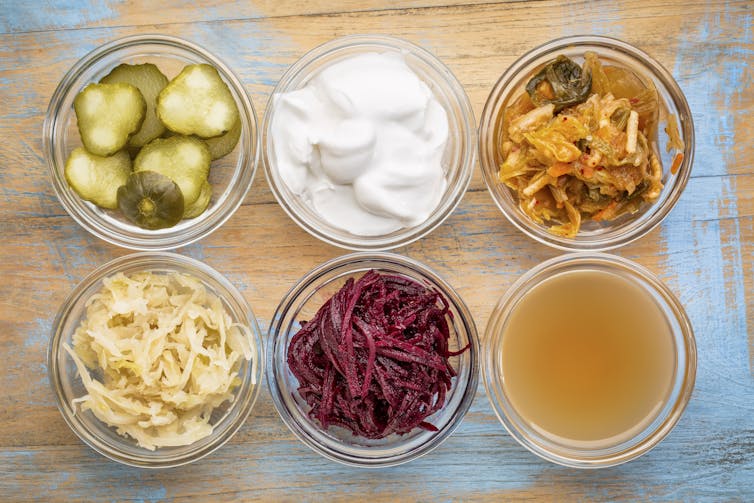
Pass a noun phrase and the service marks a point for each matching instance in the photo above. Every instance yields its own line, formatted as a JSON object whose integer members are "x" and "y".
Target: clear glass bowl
{"x": 66, "y": 383}
{"x": 458, "y": 160}
{"x": 596, "y": 456}
{"x": 304, "y": 300}
{"x": 230, "y": 176}
{"x": 592, "y": 235}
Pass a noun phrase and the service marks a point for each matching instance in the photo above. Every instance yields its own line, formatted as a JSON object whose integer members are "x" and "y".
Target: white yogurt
{"x": 362, "y": 144}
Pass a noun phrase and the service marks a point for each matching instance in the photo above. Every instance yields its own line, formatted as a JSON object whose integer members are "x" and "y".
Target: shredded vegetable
{"x": 163, "y": 353}
{"x": 579, "y": 145}
{"x": 374, "y": 359}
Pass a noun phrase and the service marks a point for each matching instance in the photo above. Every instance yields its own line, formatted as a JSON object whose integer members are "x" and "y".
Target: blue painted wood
{"x": 704, "y": 251}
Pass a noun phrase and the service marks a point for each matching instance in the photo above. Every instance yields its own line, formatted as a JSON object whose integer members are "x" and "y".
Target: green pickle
{"x": 197, "y": 102}
{"x": 107, "y": 115}
{"x": 202, "y": 202}
{"x": 149, "y": 142}
{"x": 183, "y": 159}
{"x": 95, "y": 178}
{"x": 151, "y": 200}
{"x": 150, "y": 81}
{"x": 220, "y": 146}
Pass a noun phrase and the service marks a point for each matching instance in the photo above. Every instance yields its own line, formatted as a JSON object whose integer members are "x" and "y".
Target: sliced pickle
{"x": 202, "y": 202}
{"x": 150, "y": 81}
{"x": 183, "y": 159}
{"x": 220, "y": 146}
{"x": 107, "y": 114}
{"x": 151, "y": 200}
{"x": 95, "y": 178}
{"x": 197, "y": 102}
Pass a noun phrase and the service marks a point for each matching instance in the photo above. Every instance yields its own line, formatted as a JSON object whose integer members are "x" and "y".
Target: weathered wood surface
{"x": 704, "y": 250}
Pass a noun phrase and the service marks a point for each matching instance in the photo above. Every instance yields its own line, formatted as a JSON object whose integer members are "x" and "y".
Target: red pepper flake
{"x": 600, "y": 168}
{"x": 677, "y": 160}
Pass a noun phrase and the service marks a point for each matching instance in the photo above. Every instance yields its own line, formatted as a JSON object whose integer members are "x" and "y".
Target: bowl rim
{"x": 676, "y": 401}
{"x": 162, "y": 261}
{"x": 348, "y": 265}
{"x": 656, "y": 212}
{"x": 140, "y": 239}
{"x": 467, "y": 139}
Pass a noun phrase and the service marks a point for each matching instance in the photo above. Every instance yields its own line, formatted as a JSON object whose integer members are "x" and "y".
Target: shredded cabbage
{"x": 592, "y": 159}
{"x": 165, "y": 353}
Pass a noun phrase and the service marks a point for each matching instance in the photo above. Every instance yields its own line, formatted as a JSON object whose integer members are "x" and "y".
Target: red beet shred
{"x": 374, "y": 359}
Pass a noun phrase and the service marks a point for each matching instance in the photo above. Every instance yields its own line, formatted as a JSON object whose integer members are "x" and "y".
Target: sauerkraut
{"x": 163, "y": 353}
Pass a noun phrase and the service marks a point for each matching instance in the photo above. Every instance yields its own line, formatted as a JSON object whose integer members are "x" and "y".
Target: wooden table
{"x": 704, "y": 250}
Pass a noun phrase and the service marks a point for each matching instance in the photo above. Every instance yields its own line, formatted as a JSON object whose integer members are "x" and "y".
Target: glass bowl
{"x": 593, "y": 235}
{"x": 458, "y": 158}
{"x": 66, "y": 383}
{"x": 592, "y": 454}
{"x": 339, "y": 444}
{"x": 230, "y": 176}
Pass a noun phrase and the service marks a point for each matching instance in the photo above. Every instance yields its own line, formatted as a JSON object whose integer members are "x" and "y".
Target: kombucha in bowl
{"x": 590, "y": 360}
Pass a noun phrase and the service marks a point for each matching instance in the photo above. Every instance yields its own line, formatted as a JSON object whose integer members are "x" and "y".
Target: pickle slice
{"x": 107, "y": 114}
{"x": 95, "y": 178}
{"x": 150, "y": 81}
{"x": 183, "y": 159}
{"x": 197, "y": 102}
{"x": 202, "y": 202}
{"x": 220, "y": 146}
{"x": 151, "y": 200}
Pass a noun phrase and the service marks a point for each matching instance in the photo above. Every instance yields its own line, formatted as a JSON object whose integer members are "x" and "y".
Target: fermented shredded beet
{"x": 374, "y": 359}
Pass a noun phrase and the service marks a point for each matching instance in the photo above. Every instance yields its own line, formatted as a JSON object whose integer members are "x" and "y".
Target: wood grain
{"x": 704, "y": 250}
{"x": 40, "y": 16}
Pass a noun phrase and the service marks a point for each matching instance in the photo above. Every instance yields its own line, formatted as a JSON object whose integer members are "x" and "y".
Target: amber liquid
{"x": 588, "y": 358}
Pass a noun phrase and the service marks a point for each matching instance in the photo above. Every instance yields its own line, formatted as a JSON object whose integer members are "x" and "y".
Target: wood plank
{"x": 21, "y": 17}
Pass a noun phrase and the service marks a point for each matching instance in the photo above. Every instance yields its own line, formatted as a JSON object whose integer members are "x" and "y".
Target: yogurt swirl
{"x": 362, "y": 144}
